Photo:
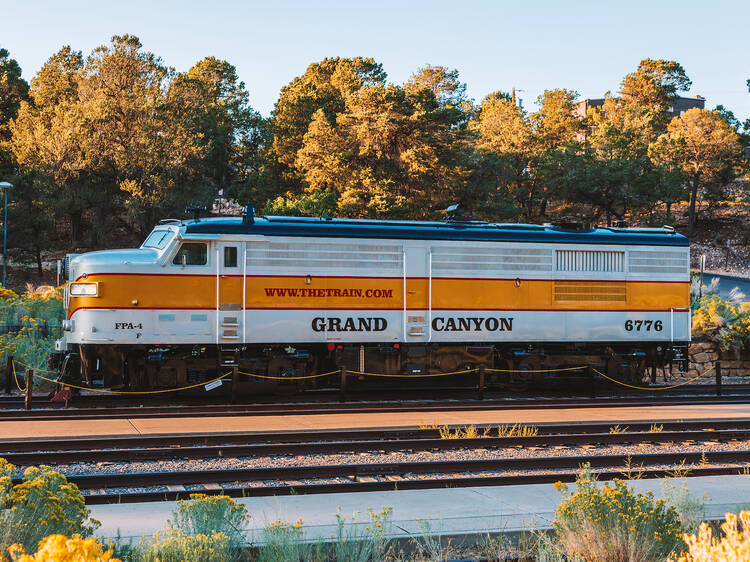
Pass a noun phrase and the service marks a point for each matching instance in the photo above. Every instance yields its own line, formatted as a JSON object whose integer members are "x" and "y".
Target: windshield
{"x": 158, "y": 239}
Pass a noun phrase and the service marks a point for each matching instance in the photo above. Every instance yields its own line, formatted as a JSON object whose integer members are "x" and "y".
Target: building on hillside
{"x": 678, "y": 106}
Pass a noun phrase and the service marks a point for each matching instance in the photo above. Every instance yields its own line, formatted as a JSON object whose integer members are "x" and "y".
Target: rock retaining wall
{"x": 703, "y": 355}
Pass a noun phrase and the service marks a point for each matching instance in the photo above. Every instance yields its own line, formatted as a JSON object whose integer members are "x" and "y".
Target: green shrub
{"x": 29, "y": 313}
{"x": 202, "y": 529}
{"x": 203, "y": 515}
{"x": 612, "y": 523}
{"x": 283, "y": 542}
{"x": 45, "y": 503}
{"x": 363, "y": 541}
{"x": 173, "y": 545}
{"x": 354, "y": 541}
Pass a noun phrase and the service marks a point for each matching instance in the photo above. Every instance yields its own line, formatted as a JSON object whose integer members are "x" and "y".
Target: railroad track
{"x": 147, "y": 448}
{"x": 274, "y": 480}
{"x": 145, "y": 410}
{"x": 271, "y": 481}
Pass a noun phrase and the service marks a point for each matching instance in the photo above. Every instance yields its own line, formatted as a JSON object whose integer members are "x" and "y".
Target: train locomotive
{"x": 285, "y": 299}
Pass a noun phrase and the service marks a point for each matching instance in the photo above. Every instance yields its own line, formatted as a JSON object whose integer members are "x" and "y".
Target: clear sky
{"x": 495, "y": 45}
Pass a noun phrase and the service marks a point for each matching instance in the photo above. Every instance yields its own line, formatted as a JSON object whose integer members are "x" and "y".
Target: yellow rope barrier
{"x": 534, "y": 370}
{"x": 15, "y": 376}
{"x": 363, "y": 373}
{"x": 288, "y": 378}
{"x": 36, "y": 369}
{"x": 651, "y": 387}
{"x": 103, "y": 391}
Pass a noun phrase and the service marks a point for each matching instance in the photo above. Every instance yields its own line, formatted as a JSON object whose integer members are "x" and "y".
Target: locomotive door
{"x": 417, "y": 293}
{"x": 230, "y": 292}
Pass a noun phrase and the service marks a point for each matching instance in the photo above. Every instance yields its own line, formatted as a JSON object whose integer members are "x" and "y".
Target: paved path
{"x": 26, "y": 430}
{"x": 455, "y": 511}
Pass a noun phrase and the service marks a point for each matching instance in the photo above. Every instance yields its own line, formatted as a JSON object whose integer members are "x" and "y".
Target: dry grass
{"x": 517, "y": 430}
{"x": 681, "y": 471}
{"x": 467, "y": 432}
{"x": 617, "y": 429}
{"x": 473, "y": 432}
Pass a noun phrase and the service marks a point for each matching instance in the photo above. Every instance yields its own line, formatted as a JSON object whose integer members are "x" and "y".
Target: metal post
{"x": 235, "y": 382}
{"x": 5, "y": 234}
{"x": 8, "y": 373}
{"x": 29, "y": 389}
{"x": 718, "y": 378}
{"x": 343, "y": 384}
{"x": 593, "y": 381}
{"x": 481, "y": 382}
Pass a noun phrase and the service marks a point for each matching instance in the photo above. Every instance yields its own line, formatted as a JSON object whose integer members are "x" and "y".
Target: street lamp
{"x": 5, "y": 186}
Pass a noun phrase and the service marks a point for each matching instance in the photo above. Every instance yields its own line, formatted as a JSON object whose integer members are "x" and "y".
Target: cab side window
{"x": 230, "y": 256}
{"x": 191, "y": 253}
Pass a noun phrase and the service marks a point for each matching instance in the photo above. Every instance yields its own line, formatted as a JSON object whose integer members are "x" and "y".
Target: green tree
{"x": 121, "y": 135}
{"x": 619, "y": 135}
{"x": 704, "y": 147}
{"x": 556, "y": 123}
{"x": 507, "y": 140}
{"x": 13, "y": 91}
{"x": 392, "y": 151}
{"x": 222, "y": 115}
{"x": 653, "y": 86}
{"x": 324, "y": 86}
{"x": 446, "y": 87}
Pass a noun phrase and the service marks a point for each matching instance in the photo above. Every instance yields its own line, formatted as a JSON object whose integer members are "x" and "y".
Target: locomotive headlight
{"x": 84, "y": 289}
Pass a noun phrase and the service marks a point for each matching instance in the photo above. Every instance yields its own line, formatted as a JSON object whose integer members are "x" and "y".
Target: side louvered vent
{"x": 590, "y": 260}
{"x": 590, "y": 291}
{"x": 658, "y": 262}
{"x": 309, "y": 256}
{"x": 491, "y": 260}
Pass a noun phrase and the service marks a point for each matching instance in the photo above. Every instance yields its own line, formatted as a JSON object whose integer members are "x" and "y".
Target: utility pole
{"x": 5, "y": 186}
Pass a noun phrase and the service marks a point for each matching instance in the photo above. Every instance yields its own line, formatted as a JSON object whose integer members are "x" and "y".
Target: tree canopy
{"x": 112, "y": 141}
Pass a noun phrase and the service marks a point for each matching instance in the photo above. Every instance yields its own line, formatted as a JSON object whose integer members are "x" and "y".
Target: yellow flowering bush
{"x": 35, "y": 319}
{"x": 721, "y": 321}
{"x": 59, "y": 548}
{"x": 44, "y": 503}
{"x": 174, "y": 545}
{"x": 203, "y": 515}
{"x": 202, "y": 529}
{"x": 734, "y": 546}
{"x": 610, "y": 523}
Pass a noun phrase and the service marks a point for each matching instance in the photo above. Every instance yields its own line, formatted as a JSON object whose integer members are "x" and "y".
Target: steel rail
{"x": 146, "y": 411}
{"x": 422, "y": 484}
{"x": 398, "y": 475}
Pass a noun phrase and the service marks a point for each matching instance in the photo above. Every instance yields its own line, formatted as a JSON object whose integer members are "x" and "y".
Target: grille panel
{"x": 584, "y": 291}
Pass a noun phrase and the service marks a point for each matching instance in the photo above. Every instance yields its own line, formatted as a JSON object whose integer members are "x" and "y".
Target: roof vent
{"x": 196, "y": 212}
{"x": 572, "y": 226}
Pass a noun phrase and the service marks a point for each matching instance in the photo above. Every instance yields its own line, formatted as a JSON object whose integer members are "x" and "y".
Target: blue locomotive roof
{"x": 448, "y": 230}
